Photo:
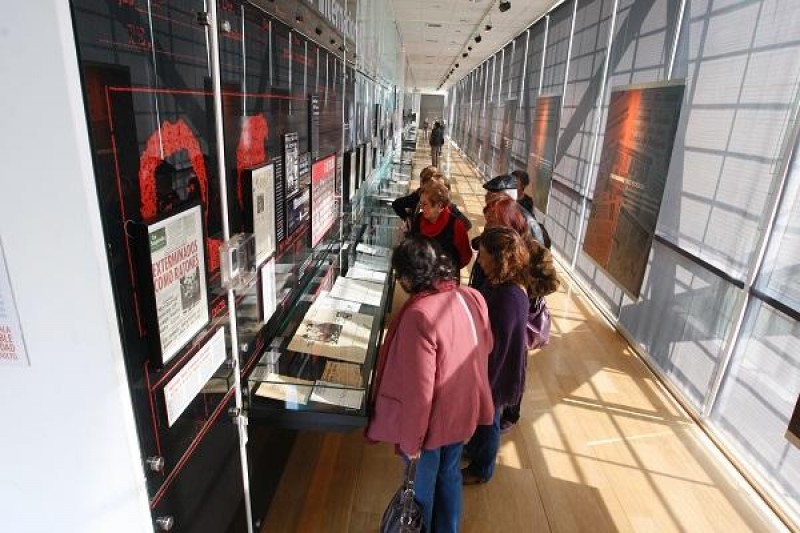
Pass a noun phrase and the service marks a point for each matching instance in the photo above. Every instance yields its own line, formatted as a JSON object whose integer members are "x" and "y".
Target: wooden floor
{"x": 600, "y": 446}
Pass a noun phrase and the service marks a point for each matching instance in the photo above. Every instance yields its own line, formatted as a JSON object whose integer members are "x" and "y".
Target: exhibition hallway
{"x": 601, "y": 446}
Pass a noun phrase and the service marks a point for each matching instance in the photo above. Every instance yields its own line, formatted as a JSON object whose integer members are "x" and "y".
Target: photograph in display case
{"x": 291, "y": 170}
{"x": 323, "y": 202}
{"x": 542, "y": 149}
{"x": 333, "y": 334}
{"x": 259, "y": 216}
{"x": 632, "y": 173}
{"x": 174, "y": 272}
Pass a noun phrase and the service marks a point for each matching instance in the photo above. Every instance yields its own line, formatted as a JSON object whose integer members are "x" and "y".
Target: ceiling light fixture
{"x": 505, "y": 6}
{"x": 318, "y": 31}
{"x": 488, "y": 27}
{"x": 477, "y": 38}
{"x": 469, "y": 48}
{"x": 465, "y": 54}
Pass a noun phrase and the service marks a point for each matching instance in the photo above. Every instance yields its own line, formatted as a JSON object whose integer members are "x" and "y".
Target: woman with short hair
{"x": 432, "y": 385}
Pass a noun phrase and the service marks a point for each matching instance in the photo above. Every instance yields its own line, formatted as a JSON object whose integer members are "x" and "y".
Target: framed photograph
{"x": 173, "y": 276}
{"x": 323, "y": 201}
{"x": 259, "y": 216}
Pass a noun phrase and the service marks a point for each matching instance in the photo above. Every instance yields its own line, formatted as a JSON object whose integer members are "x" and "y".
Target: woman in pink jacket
{"x": 432, "y": 387}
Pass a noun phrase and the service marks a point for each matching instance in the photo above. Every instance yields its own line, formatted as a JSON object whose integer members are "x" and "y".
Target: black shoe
{"x": 468, "y": 478}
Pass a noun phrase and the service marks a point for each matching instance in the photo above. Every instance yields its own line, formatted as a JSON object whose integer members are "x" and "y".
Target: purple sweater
{"x": 508, "y": 360}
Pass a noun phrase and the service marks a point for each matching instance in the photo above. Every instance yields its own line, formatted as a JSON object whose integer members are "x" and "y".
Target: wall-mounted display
{"x": 177, "y": 275}
{"x": 313, "y": 122}
{"x": 297, "y": 211}
{"x": 637, "y": 149}
{"x": 190, "y": 380}
{"x": 542, "y": 150}
{"x": 280, "y": 199}
{"x": 260, "y": 210}
{"x": 323, "y": 202}
{"x": 304, "y": 169}
{"x": 291, "y": 169}
{"x": 506, "y": 137}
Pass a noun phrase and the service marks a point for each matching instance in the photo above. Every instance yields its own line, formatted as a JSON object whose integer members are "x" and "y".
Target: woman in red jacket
{"x": 437, "y": 222}
{"x": 432, "y": 387}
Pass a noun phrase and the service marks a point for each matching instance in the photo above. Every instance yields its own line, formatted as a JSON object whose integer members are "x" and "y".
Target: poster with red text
{"x": 323, "y": 203}
{"x": 179, "y": 279}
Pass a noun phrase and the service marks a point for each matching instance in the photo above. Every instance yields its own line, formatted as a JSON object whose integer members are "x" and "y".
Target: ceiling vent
{"x": 433, "y": 25}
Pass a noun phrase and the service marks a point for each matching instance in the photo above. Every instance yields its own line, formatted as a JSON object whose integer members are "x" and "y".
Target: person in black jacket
{"x": 436, "y": 141}
{"x": 507, "y": 184}
{"x": 523, "y": 198}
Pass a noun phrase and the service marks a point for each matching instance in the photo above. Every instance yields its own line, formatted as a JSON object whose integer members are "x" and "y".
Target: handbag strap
{"x": 411, "y": 474}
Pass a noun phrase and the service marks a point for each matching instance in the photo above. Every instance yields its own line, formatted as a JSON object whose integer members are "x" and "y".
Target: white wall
{"x": 69, "y": 458}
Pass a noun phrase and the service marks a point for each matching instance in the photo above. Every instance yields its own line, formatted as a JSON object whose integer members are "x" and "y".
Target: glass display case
{"x": 315, "y": 369}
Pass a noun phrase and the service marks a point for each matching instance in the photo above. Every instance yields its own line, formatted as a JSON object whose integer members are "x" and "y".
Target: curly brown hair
{"x": 508, "y": 254}
{"x": 426, "y": 173}
{"x": 542, "y": 275}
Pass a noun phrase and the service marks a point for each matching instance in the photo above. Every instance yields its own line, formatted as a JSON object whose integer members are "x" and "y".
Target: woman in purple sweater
{"x": 504, "y": 258}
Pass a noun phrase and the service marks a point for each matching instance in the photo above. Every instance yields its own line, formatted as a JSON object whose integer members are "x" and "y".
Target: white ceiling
{"x": 432, "y": 51}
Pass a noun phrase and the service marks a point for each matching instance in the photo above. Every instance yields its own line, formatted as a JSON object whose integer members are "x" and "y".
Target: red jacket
{"x": 435, "y": 388}
{"x": 436, "y": 230}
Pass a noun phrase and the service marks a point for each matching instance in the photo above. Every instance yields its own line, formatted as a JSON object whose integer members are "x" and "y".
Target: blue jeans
{"x": 438, "y": 488}
{"x": 482, "y": 448}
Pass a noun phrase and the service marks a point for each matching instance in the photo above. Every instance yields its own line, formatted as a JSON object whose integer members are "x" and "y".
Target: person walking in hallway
{"x": 436, "y": 142}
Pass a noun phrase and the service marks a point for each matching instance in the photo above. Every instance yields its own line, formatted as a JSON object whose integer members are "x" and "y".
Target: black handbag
{"x": 403, "y": 514}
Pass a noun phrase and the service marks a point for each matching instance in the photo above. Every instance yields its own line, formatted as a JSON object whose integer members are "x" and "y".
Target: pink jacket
{"x": 435, "y": 387}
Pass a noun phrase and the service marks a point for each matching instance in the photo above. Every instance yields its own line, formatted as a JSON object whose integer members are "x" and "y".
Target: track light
{"x": 464, "y": 54}
{"x": 477, "y": 38}
{"x": 298, "y": 18}
{"x": 469, "y": 48}
{"x": 318, "y": 31}
{"x": 505, "y": 6}
{"x": 488, "y": 27}
{"x": 456, "y": 65}
{"x": 333, "y": 41}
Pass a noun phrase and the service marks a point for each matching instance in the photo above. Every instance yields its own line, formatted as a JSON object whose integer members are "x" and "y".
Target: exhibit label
{"x": 323, "y": 201}
{"x": 264, "y": 211}
{"x": 187, "y": 384}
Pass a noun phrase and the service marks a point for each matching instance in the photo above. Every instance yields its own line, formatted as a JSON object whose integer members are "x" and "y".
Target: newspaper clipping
{"x": 179, "y": 279}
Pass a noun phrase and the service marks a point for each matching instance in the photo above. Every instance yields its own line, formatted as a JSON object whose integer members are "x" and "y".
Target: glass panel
{"x": 562, "y": 220}
{"x": 780, "y": 277}
{"x": 558, "y": 38}
{"x": 742, "y": 63}
{"x": 681, "y": 320}
{"x": 581, "y": 98}
{"x": 758, "y": 396}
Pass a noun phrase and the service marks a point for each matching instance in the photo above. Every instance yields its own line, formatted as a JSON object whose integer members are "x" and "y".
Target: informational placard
{"x": 637, "y": 149}
{"x": 501, "y": 165}
{"x": 542, "y": 149}
{"x": 261, "y": 211}
{"x": 269, "y": 297}
{"x": 12, "y": 345}
{"x": 313, "y": 118}
{"x": 177, "y": 262}
{"x": 304, "y": 169}
{"x": 190, "y": 380}
{"x": 353, "y": 170}
{"x": 323, "y": 201}
{"x": 280, "y": 199}
{"x": 368, "y": 163}
{"x": 291, "y": 169}
{"x": 297, "y": 211}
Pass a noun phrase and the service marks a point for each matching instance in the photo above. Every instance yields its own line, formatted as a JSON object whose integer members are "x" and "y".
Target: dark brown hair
{"x": 543, "y": 278}
{"x": 509, "y": 255}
